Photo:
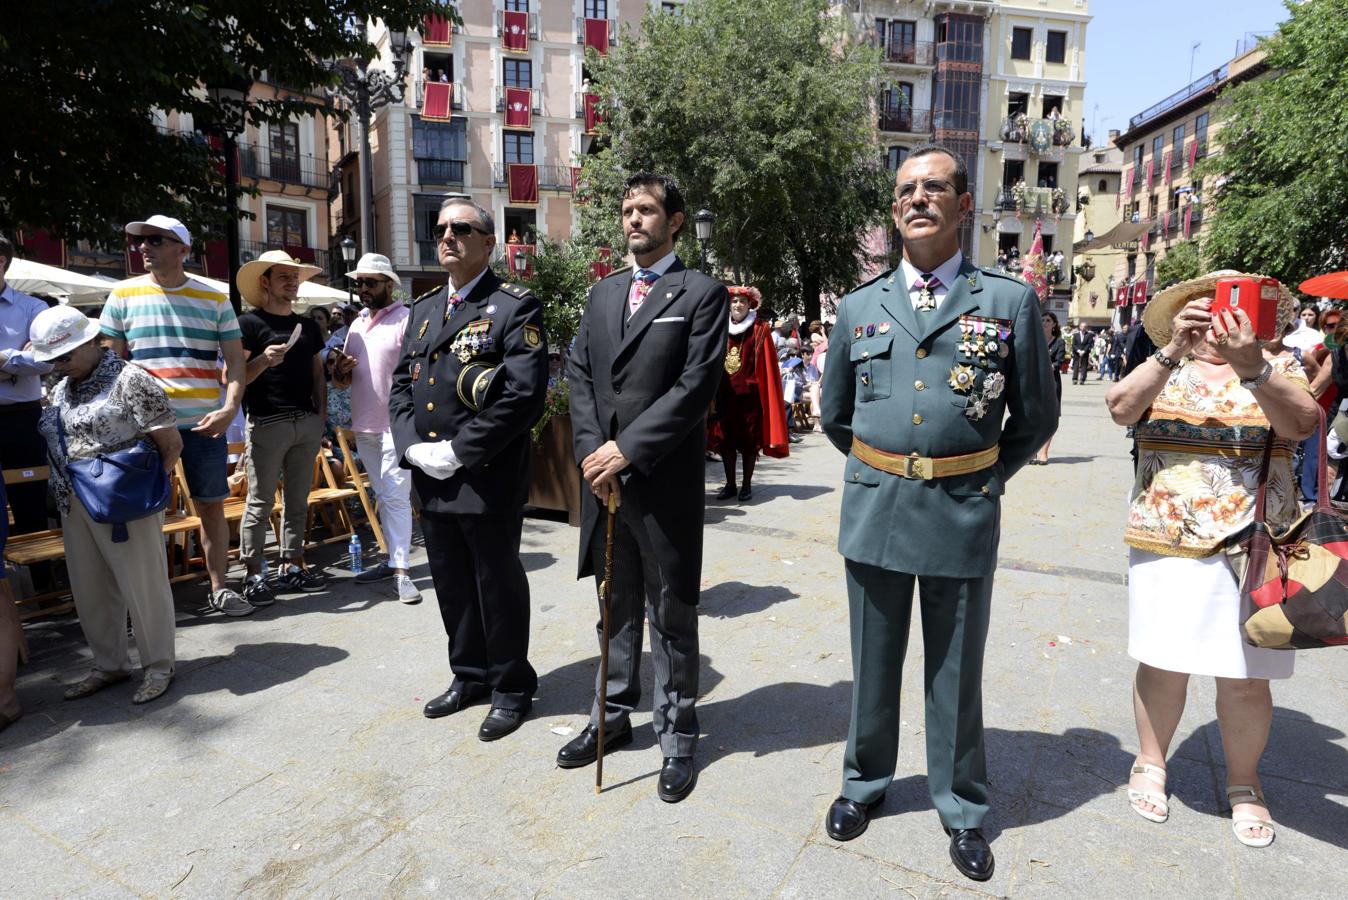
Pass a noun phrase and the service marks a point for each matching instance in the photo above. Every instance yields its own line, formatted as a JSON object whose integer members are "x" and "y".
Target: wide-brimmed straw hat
{"x": 250, "y": 274}
{"x": 1161, "y": 311}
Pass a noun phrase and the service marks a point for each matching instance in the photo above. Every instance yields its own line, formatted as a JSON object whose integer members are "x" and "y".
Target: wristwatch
{"x": 1259, "y": 380}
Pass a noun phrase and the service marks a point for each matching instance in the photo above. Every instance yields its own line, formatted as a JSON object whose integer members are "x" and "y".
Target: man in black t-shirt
{"x": 286, "y": 403}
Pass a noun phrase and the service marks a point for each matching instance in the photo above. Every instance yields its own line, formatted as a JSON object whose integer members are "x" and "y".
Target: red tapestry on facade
{"x": 596, "y": 35}
{"x": 1146, "y": 240}
{"x": 604, "y": 265}
{"x": 437, "y": 103}
{"x": 135, "y": 263}
{"x": 436, "y": 31}
{"x": 1165, "y": 172}
{"x": 1188, "y": 221}
{"x": 523, "y": 181}
{"x": 1123, "y": 296}
{"x": 1129, "y": 180}
{"x": 1140, "y": 292}
{"x": 515, "y": 31}
{"x": 41, "y": 247}
{"x": 1150, "y": 167}
{"x": 524, "y": 251}
{"x": 1165, "y": 226}
{"x": 591, "y": 113}
{"x": 518, "y": 107}
{"x": 1193, "y": 154}
{"x": 215, "y": 260}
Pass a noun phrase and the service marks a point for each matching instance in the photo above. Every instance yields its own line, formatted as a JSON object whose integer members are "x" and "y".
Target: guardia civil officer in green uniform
{"x": 470, "y": 384}
{"x": 938, "y": 389}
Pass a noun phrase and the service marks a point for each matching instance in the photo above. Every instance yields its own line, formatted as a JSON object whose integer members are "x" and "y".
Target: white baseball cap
{"x": 156, "y": 224}
{"x": 58, "y": 330}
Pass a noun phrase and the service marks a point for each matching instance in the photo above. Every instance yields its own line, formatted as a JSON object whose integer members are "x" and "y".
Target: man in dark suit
{"x": 938, "y": 389}
{"x": 470, "y": 384}
{"x": 1082, "y": 341}
{"x": 643, "y": 370}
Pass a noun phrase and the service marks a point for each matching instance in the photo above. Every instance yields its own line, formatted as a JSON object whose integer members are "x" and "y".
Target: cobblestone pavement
{"x": 291, "y": 757}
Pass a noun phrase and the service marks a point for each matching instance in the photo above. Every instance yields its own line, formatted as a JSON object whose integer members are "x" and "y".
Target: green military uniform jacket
{"x": 958, "y": 379}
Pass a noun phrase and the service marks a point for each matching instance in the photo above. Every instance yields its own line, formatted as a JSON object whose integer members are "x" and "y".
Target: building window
{"x": 1020, "y": 43}
{"x": 674, "y": 9}
{"x": 894, "y": 158}
{"x": 287, "y": 227}
{"x": 1201, "y": 131}
{"x": 1137, "y": 159}
{"x": 902, "y": 34}
{"x": 285, "y": 151}
{"x": 897, "y": 98}
{"x": 1055, "y": 50}
{"x": 596, "y": 9}
{"x": 519, "y": 148}
{"x": 1102, "y": 186}
{"x": 1177, "y": 146}
{"x": 517, "y": 5}
{"x": 519, "y": 73}
{"x": 1157, "y": 145}
{"x": 440, "y": 149}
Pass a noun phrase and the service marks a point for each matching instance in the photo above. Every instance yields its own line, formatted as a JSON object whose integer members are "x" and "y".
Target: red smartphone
{"x": 1257, "y": 296}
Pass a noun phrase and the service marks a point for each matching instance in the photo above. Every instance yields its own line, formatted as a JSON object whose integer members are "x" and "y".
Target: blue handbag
{"x": 118, "y": 487}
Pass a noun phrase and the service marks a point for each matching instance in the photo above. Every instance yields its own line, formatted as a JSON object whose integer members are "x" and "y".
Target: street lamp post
{"x": 231, "y": 96}
{"x": 702, "y": 223}
{"x": 348, "y": 257}
{"x": 369, "y": 90}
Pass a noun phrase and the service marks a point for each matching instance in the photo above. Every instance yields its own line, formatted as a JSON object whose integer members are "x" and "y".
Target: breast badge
{"x": 473, "y": 341}
{"x": 733, "y": 361}
{"x": 532, "y": 337}
{"x": 961, "y": 378}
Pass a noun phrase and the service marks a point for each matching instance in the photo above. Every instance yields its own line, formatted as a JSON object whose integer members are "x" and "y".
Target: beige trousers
{"x": 106, "y": 578}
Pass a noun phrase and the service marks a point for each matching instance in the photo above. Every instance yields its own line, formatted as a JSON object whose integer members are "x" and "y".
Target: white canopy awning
{"x": 37, "y": 278}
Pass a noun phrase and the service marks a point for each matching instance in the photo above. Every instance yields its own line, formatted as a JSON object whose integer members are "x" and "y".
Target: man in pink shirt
{"x": 373, "y": 345}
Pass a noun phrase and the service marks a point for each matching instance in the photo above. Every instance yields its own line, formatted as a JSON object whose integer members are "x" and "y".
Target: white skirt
{"x": 1184, "y": 616}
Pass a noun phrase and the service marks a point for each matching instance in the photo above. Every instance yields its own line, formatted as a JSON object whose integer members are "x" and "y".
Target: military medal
{"x": 865, "y": 379}
{"x": 977, "y": 409}
{"x": 490, "y": 309}
{"x": 993, "y": 385}
{"x": 884, "y": 328}
{"x": 733, "y": 361}
{"x": 870, "y": 330}
{"x": 416, "y": 371}
{"x": 857, "y": 332}
{"x": 961, "y": 378}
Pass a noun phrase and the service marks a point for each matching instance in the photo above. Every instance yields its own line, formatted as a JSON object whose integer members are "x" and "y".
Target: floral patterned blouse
{"x": 1199, "y": 452}
{"x": 116, "y": 406}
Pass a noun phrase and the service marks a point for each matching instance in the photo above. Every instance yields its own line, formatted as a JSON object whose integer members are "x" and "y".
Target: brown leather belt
{"x": 924, "y": 468}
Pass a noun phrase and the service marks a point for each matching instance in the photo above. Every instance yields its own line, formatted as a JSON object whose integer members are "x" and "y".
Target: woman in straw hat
{"x": 1201, "y": 408}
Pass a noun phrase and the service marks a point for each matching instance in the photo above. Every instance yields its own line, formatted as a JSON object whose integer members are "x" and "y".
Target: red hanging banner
{"x": 215, "y": 260}
{"x": 41, "y": 247}
{"x": 436, "y": 31}
{"x": 524, "y": 250}
{"x": 1123, "y": 296}
{"x": 1129, "y": 180}
{"x": 519, "y": 107}
{"x": 1140, "y": 292}
{"x": 523, "y": 181}
{"x": 596, "y": 35}
{"x": 515, "y": 31}
{"x": 1188, "y": 221}
{"x": 1193, "y": 154}
{"x": 1151, "y": 163}
{"x": 1146, "y": 240}
{"x": 591, "y": 113}
{"x": 603, "y": 266}
{"x": 439, "y": 95}
{"x": 1165, "y": 173}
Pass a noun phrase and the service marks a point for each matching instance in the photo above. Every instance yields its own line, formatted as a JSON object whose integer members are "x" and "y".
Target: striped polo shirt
{"x": 174, "y": 334}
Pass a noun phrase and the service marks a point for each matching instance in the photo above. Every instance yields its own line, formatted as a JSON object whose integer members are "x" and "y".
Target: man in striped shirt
{"x": 177, "y": 328}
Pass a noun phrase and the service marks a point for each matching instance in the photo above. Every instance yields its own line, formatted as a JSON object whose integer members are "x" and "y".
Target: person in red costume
{"x": 748, "y": 414}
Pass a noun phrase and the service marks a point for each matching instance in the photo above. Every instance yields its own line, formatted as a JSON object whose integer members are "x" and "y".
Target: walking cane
{"x": 605, "y": 595}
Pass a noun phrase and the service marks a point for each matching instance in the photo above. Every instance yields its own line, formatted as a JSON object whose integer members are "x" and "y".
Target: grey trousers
{"x": 275, "y": 450}
{"x": 640, "y": 592}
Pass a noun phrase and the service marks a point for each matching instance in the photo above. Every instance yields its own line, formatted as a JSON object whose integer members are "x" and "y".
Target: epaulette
{"x": 431, "y": 293}
{"x": 1000, "y": 273}
{"x": 518, "y": 290}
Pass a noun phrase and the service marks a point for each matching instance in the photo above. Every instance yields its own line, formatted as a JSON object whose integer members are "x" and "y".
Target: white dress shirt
{"x": 947, "y": 272}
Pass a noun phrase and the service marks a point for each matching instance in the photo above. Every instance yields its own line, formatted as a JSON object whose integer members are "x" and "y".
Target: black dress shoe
{"x": 746, "y": 492}
{"x": 726, "y": 492}
{"x": 970, "y": 853}
{"x": 847, "y": 819}
{"x": 500, "y": 722}
{"x": 453, "y": 700}
{"x": 584, "y": 748}
{"x": 677, "y": 778}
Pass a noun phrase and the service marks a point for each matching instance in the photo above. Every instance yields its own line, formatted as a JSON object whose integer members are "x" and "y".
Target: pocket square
{"x": 669, "y": 319}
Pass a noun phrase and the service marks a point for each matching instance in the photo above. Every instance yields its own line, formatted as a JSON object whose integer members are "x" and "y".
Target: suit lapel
{"x": 467, "y": 310}
{"x": 612, "y": 306}
{"x": 896, "y": 302}
{"x": 665, "y": 291}
{"x": 962, "y": 298}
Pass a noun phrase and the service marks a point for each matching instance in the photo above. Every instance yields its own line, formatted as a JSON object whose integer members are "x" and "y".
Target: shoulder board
{"x": 998, "y": 273}
{"x": 426, "y": 296}
{"x": 517, "y": 290}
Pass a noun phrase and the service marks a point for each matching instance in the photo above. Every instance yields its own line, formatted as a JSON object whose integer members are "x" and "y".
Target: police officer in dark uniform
{"x": 470, "y": 385}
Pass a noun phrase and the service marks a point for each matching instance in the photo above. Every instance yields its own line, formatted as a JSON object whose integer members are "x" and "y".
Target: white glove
{"x": 435, "y": 459}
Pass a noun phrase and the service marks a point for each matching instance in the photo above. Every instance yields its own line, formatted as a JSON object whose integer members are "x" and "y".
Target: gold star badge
{"x": 961, "y": 379}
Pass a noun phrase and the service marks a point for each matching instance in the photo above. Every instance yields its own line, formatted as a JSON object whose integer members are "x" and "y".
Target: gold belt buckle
{"x": 918, "y": 467}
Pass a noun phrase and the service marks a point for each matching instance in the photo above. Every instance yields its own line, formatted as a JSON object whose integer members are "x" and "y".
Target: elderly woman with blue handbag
{"x": 112, "y": 439}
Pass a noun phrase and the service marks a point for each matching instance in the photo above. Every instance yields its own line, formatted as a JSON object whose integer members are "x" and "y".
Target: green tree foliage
{"x": 83, "y": 79}
{"x": 1180, "y": 263}
{"x": 762, "y": 110}
{"x": 1283, "y": 210}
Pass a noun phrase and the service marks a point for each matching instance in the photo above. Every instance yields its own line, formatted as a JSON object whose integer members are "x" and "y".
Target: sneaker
{"x": 297, "y": 578}
{"x": 376, "y": 573}
{"x": 230, "y": 603}
{"x": 407, "y": 591}
{"x": 256, "y": 592}
{"x": 152, "y": 687}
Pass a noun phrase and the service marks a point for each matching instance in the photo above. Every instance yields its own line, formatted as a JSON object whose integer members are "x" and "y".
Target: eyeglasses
{"x": 154, "y": 240}
{"x": 932, "y": 187}
{"x": 369, "y": 282}
{"x": 458, "y": 229}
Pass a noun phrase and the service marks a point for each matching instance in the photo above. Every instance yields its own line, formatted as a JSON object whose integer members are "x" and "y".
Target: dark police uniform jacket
{"x": 895, "y": 381}
{"x": 497, "y": 323}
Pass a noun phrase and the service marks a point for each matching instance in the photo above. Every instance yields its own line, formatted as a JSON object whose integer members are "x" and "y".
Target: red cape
{"x": 776, "y": 441}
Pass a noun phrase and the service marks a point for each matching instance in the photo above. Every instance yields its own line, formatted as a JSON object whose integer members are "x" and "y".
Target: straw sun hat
{"x": 1161, "y": 311}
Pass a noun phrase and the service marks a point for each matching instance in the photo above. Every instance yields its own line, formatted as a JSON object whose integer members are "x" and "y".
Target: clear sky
{"x": 1137, "y": 51}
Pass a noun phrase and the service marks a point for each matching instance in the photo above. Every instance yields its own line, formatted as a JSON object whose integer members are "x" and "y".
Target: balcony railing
{"x": 550, "y": 178}
{"x": 918, "y": 53}
{"x": 905, "y": 121}
{"x": 440, "y": 171}
{"x": 1037, "y": 201}
{"x": 290, "y": 168}
{"x": 536, "y": 99}
{"x": 251, "y": 250}
{"x": 1017, "y": 129}
{"x": 1006, "y": 200}
{"x": 1207, "y": 81}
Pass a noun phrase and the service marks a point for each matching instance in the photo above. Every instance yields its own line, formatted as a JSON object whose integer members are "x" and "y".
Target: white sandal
{"x": 1240, "y": 825}
{"x": 1156, "y": 775}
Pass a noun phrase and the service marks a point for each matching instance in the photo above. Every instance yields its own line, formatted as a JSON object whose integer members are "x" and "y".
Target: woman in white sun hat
{"x": 1201, "y": 409}
{"x": 104, "y": 404}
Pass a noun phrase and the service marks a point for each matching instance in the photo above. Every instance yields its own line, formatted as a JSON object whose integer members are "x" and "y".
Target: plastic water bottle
{"x": 357, "y": 564}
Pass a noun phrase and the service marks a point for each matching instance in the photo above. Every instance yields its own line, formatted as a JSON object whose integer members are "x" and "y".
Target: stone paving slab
{"x": 290, "y": 758}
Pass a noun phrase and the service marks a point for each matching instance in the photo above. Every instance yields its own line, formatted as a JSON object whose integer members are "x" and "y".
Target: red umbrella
{"x": 1335, "y": 285}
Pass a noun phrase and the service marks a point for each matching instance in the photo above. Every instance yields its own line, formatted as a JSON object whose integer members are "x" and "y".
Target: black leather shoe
{"x": 726, "y": 493}
{"x": 453, "y": 700}
{"x": 500, "y": 722}
{"x": 847, "y": 819}
{"x": 970, "y": 853}
{"x": 746, "y": 492}
{"x": 677, "y": 778}
{"x": 584, "y": 748}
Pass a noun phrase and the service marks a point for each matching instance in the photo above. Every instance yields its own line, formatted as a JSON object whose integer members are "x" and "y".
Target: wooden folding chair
{"x": 180, "y": 524}
{"x": 328, "y": 500}
{"x": 36, "y": 547}
{"x": 358, "y": 476}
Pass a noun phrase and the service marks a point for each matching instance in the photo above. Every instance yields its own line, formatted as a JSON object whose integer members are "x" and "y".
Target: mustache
{"x": 924, "y": 213}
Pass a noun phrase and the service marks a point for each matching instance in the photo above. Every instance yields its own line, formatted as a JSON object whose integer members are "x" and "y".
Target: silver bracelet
{"x": 1166, "y": 361}
{"x": 1259, "y": 380}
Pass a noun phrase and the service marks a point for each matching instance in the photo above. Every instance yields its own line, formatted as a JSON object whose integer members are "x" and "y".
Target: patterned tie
{"x": 453, "y": 304}
{"x": 924, "y": 286}
{"x": 641, "y": 286}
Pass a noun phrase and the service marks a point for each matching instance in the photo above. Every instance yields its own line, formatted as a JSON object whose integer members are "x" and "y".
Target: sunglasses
{"x": 458, "y": 229}
{"x": 369, "y": 282}
{"x": 154, "y": 240}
